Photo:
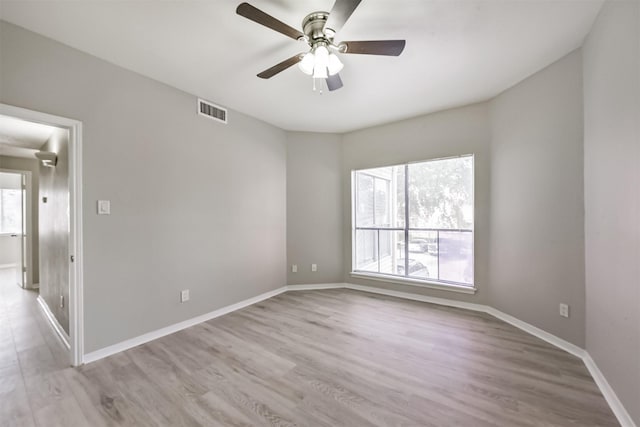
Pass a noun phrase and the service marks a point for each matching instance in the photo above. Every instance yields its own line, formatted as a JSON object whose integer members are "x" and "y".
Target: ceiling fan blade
{"x": 256, "y": 15}
{"x": 342, "y": 10}
{"x": 374, "y": 47}
{"x": 270, "y": 72}
{"x": 334, "y": 82}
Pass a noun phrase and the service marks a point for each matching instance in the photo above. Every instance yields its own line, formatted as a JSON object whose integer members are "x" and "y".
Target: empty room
{"x": 320, "y": 213}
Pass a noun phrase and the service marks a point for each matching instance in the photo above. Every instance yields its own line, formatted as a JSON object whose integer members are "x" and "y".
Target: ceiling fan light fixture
{"x": 318, "y": 32}
{"x": 306, "y": 65}
{"x": 320, "y": 72}
{"x": 334, "y": 64}
{"x": 321, "y": 61}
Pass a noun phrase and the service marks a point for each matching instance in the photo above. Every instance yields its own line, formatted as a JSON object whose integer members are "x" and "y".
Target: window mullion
{"x": 406, "y": 220}
{"x": 378, "y": 247}
{"x": 438, "y": 251}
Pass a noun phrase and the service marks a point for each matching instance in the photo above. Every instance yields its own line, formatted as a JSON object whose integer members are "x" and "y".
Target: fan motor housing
{"x": 313, "y": 28}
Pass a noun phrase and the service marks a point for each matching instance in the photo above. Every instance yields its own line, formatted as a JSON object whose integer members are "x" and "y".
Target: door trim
{"x": 76, "y": 299}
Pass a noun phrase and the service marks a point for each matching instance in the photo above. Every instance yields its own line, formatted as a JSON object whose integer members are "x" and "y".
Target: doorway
{"x": 15, "y": 226}
{"x": 46, "y": 253}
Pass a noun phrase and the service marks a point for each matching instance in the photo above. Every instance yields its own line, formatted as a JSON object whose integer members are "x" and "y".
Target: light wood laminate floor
{"x": 312, "y": 358}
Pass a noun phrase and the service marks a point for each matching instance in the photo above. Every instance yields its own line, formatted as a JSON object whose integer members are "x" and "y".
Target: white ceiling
{"x": 19, "y": 138}
{"x": 458, "y": 51}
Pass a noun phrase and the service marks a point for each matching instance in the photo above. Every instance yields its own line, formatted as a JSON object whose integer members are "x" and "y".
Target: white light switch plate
{"x": 314, "y": 267}
{"x": 184, "y": 295}
{"x": 294, "y": 268}
{"x": 104, "y": 207}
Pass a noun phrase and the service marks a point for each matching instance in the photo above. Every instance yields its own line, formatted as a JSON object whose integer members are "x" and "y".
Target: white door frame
{"x": 76, "y": 316}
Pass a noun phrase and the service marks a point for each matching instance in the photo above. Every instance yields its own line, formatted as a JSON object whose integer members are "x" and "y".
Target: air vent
{"x": 212, "y": 111}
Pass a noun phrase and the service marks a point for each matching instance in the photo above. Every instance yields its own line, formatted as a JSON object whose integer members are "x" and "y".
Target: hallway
{"x": 30, "y": 353}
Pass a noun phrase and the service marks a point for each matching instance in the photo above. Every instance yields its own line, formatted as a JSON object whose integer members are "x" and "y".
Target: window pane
{"x": 391, "y": 251}
{"x": 380, "y": 197}
{"x": 423, "y": 254}
{"x": 456, "y": 256}
{"x": 364, "y": 200}
{"x": 381, "y": 202}
{"x": 441, "y": 194}
{"x": 10, "y": 211}
{"x": 367, "y": 250}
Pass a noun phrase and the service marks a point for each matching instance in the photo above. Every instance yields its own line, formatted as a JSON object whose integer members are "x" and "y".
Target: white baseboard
{"x": 64, "y": 337}
{"x": 612, "y": 399}
{"x": 153, "y": 335}
{"x": 537, "y": 332}
{"x": 610, "y": 396}
{"x": 315, "y": 287}
{"x": 416, "y": 297}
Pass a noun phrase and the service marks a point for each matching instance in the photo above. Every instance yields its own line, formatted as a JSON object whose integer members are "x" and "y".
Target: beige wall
{"x": 194, "y": 203}
{"x": 31, "y": 165}
{"x": 612, "y": 197}
{"x": 537, "y": 216}
{"x": 314, "y": 207}
{"x": 54, "y": 229}
{"x": 448, "y": 133}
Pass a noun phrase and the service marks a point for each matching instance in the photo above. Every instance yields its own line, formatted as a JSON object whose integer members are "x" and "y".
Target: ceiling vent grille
{"x": 212, "y": 111}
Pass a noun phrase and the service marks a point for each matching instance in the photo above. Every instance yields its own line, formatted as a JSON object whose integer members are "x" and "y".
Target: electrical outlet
{"x": 314, "y": 267}
{"x": 184, "y": 295}
{"x": 294, "y": 268}
{"x": 564, "y": 310}
{"x": 104, "y": 207}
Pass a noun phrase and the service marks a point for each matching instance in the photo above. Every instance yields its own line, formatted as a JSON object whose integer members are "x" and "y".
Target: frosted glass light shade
{"x": 320, "y": 72}
{"x": 321, "y": 62}
{"x": 307, "y": 63}
{"x": 334, "y": 65}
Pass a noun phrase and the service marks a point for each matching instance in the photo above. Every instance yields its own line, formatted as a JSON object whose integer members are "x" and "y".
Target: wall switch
{"x": 314, "y": 267}
{"x": 104, "y": 207}
{"x": 294, "y": 268}
{"x": 61, "y": 301}
{"x": 564, "y": 310}
{"x": 184, "y": 295}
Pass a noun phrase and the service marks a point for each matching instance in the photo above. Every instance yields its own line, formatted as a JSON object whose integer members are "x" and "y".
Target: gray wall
{"x": 314, "y": 207}
{"x": 537, "y": 217}
{"x": 194, "y": 203}
{"x": 612, "y": 197}
{"x": 54, "y": 229}
{"x": 31, "y": 165}
{"x": 448, "y": 133}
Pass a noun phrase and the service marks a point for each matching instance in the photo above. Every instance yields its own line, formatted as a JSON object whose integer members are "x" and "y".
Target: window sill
{"x": 415, "y": 282}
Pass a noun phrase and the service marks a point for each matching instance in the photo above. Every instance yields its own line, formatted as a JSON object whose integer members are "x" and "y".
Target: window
{"x": 10, "y": 211}
{"x": 415, "y": 221}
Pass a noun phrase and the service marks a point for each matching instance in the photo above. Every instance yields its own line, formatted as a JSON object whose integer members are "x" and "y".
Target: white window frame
{"x": 391, "y": 278}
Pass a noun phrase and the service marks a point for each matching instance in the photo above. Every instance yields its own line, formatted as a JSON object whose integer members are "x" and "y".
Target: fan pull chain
{"x": 314, "y": 86}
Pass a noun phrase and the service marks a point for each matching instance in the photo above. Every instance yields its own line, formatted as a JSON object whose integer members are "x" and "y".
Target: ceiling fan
{"x": 318, "y": 31}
